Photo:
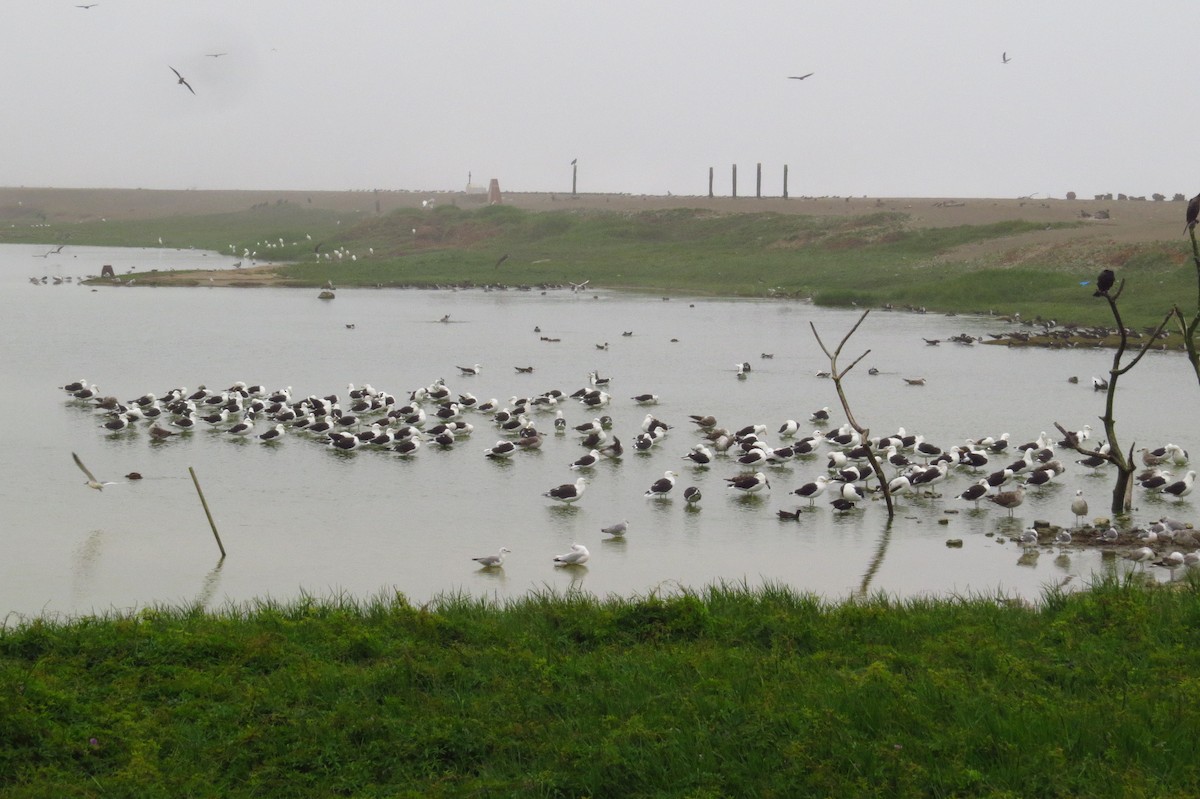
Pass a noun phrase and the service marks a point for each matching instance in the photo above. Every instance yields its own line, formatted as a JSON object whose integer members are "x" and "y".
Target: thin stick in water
{"x": 207, "y": 512}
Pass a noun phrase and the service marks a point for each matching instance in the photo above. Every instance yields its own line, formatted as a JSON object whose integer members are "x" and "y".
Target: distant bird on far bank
{"x": 1104, "y": 282}
{"x": 182, "y": 81}
{"x": 1193, "y": 213}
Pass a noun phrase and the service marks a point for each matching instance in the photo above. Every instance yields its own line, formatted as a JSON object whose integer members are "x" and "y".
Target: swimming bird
{"x": 182, "y": 80}
{"x": 645, "y": 399}
{"x": 92, "y": 482}
{"x": 1079, "y": 506}
{"x": 470, "y": 370}
{"x": 1099, "y": 384}
{"x": 663, "y": 485}
{"x": 1104, "y": 282}
{"x": 616, "y": 530}
{"x": 568, "y": 492}
{"x": 915, "y": 381}
{"x": 492, "y": 561}
{"x": 576, "y": 557}
{"x": 274, "y": 434}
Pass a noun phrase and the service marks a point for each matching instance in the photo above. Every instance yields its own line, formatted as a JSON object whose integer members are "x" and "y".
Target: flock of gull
{"x": 1000, "y": 472}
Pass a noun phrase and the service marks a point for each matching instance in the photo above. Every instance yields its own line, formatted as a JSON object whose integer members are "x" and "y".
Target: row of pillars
{"x": 757, "y": 181}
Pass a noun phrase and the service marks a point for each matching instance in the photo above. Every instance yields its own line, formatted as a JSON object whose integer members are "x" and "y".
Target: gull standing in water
{"x": 616, "y": 530}
{"x": 491, "y": 561}
{"x": 92, "y": 482}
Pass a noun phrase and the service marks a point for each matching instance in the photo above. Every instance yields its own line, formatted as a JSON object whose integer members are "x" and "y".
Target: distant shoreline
{"x": 1130, "y": 220}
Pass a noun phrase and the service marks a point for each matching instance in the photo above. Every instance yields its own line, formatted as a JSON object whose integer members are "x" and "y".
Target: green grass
{"x": 719, "y": 692}
{"x": 870, "y": 260}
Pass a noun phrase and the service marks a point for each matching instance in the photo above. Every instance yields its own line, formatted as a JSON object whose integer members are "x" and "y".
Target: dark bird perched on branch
{"x": 1104, "y": 283}
{"x": 1193, "y": 212}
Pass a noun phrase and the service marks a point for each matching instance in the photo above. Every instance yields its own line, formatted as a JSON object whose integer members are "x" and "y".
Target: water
{"x": 297, "y": 518}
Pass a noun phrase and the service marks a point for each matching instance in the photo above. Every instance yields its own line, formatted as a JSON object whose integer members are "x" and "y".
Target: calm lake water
{"x": 297, "y": 518}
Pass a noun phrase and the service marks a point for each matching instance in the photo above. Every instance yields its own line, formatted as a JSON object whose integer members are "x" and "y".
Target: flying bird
{"x": 800, "y": 77}
{"x": 182, "y": 80}
{"x": 89, "y": 5}
{"x": 1104, "y": 283}
{"x": 502, "y": 259}
{"x": 1193, "y": 212}
{"x": 92, "y": 482}
{"x": 215, "y": 55}
{"x": 1004, "y": 59}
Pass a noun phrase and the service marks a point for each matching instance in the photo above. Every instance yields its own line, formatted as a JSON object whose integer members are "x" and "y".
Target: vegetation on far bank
{"x": 721, "y": 692}
{"x": 869, "y": 260}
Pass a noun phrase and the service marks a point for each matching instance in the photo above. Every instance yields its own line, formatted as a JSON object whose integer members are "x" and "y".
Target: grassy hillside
{"x": 724, "y": 692}
{"x": 868, "y": 259}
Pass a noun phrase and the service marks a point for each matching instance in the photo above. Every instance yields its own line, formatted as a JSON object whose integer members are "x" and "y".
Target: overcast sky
{"x": 906, "y": 98}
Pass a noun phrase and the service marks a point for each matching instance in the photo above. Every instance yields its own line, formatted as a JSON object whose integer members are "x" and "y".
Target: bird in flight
{"x": 89, "y": 5}
{"x": 215, "y": 55}
{"x": 182, "y": 80}
{"x": 92, "y": 482}
{"x": 1193, "y": 213}
{"x": 800, "y": 77}
{"x": 1004, "y": 59}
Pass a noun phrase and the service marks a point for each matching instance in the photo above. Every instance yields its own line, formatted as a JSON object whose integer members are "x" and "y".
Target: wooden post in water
{"x": 710, "y": 181}
{"x": 758, "y": 181}
{"x": 785, "y": 194}
{"x": 735, "y": 180}
{"x": 207, "y": 513}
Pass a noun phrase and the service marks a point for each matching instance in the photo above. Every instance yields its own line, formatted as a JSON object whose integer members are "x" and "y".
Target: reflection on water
{"x": 297, "y": 517}
{"x": 209, "y": 587}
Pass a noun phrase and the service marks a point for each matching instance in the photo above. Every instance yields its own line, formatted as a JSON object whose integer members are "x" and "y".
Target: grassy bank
{"x": 715, "y": 693}
{"x": 868, "y": 260}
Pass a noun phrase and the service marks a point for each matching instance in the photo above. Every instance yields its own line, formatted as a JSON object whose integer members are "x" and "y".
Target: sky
{"x": 906, "y": 99}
